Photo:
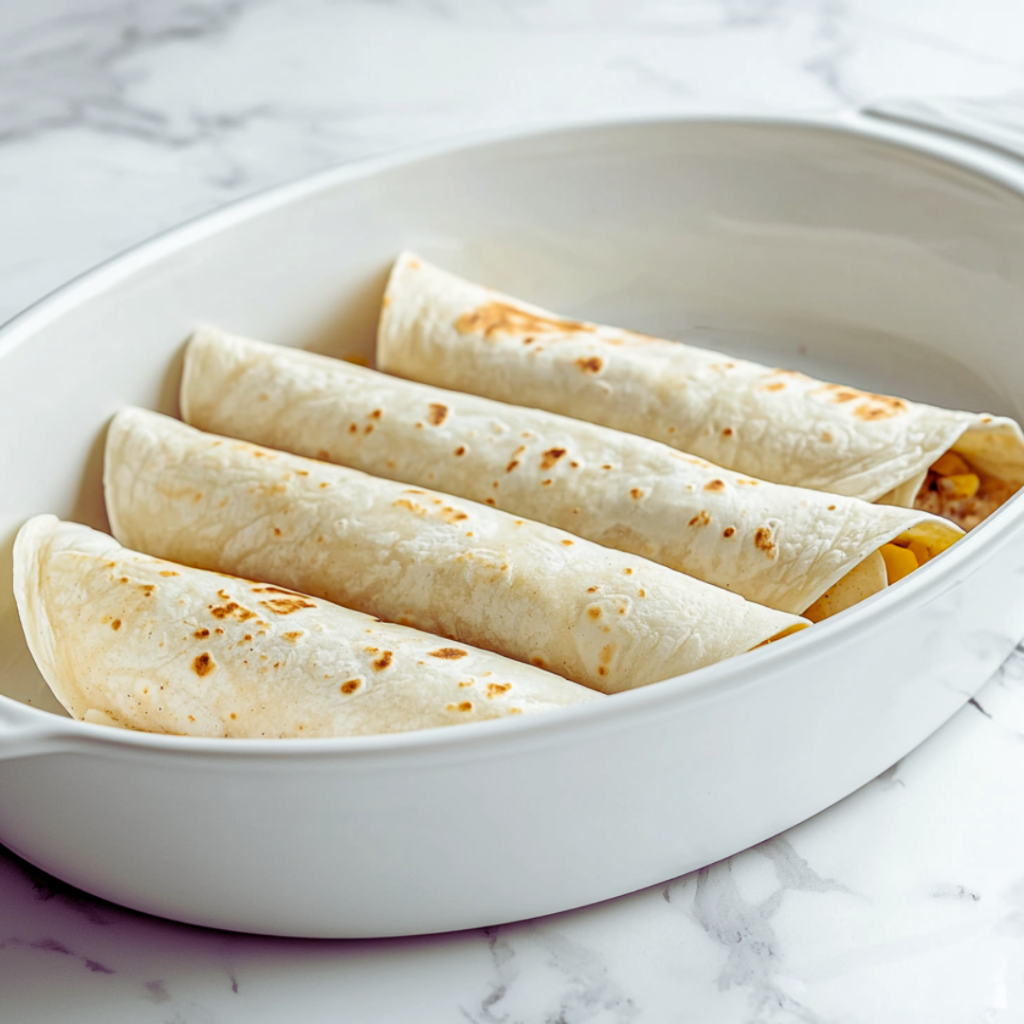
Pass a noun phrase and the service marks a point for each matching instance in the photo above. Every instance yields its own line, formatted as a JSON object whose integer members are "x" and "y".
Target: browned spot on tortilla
{"x": 490, "y": 501}
{"x": 116, "y": 624}
{"x": 512, "y": 465}
{"x": 776, "y": 385}
{"x": 727, "y": 432}
{"x": 728, "y": 531}
{"x": 323, "y": 454}
{"x": 494, "y": 689}
{"x": 594, "y": 611}
{"x": 410, "y": 505}
{"x": 715, "y": 485}
{"x": 437, "y": 413}
{"x": 606, "y": 466}
{"x": 368, "y": 429}
{"x": 643, "y": 593}
{"x": 465, "y": 684}
{"x": 452, "y": 515}
{"x": 203, "y": 665}
{"x": 538, "y": 662}
{"x": 290, "y": 637}
{"x": 277, "y": 531}
{"x": 353, "y": 428}
{"x": 461, "y": 450}
{"x": 590, "y": 364}
{"x": 701, "y": 519}
{"x": 831, "y": 508}
{"x": 607, "y": 653}
{"x": 168, "y": 572}
{"x": 567, "y": 543}
{"x": 826, "y": 437}
{"x": 550, "y": 457}
{"x": 545, "y": 483}
{"x": 218, "y": 630}
{"x": 448, "y": 653}
{"x": 765, "y": 541}
{"x": 636, "y": 493}
{"x": 350, "y": 685}
{"x": 201, "y": 634}
{"x": 286, "y": 605}
{"x": 502, "y": 318}
{"x": 382, "y": 662}
{"x": 591, "y": 590}
{"x": 376, "y": 414}
{"x": 413, "y": 264}
{"x": 601, "y": 670}
{"x": 868, "y": 412}
{"x": 574, "y": 465}
{"x": 529, "y": 341}
{"x": 873, "y": 407}
{"x": 747, "y": 483}
{"x": 231, "y": 608}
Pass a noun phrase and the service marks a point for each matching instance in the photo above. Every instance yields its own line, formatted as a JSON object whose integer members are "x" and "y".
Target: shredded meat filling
{"x": 957, "y": 491}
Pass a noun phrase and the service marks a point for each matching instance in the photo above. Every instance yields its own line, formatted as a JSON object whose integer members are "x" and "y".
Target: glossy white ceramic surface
{"x": 868, "y": 253}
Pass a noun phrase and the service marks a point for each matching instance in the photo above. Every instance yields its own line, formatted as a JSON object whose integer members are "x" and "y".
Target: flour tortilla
{"x": 780, "y": 546}
{"x": 133, "y": 641}
{"x": 776, "y": 425}
{"x": 462, "y": 570}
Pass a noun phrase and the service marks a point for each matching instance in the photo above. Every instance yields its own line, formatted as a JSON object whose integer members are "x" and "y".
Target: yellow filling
{"x": 960, "y": 492}
{"x": 899, "y": 562}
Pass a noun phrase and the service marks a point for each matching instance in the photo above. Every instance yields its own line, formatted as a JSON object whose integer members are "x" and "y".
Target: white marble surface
{"x": 118, "y": 118}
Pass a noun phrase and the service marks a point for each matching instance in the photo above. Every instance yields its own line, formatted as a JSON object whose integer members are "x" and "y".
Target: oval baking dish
{"x": 864, "y": 252}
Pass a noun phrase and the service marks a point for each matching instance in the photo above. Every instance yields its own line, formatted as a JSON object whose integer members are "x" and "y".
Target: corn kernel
{"x": 899, "y": 562}
{"x": 950, "y": 464}
{"x": 959, "y": 486}
{"x": 919, "y": 551}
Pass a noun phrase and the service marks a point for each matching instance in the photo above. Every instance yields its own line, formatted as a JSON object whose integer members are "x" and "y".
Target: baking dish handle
{"x": 996, "y": 122}
{"x": 22, "y": 735}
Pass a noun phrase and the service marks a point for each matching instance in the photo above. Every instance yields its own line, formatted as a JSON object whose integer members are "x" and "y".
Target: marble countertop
{"x": 119, "y": 118}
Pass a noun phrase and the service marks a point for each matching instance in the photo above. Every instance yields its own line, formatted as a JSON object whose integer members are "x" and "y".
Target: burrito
{"x": 128, "y": 640}
{"x": 465, "y": 571}
{"x": 784, "y": 547}
{"x": 772, "y": 424}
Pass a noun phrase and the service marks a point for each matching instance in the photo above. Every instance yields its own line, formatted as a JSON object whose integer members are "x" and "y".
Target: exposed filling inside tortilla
{"x": 891, "y": 562}
{"x": 957, "y": 490}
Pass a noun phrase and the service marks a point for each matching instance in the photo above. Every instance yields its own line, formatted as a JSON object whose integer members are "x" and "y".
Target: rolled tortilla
{"x": 137, "y": 642}
{"x": 465, "y": 571}
{"x": 783, "y": 547}
{"x": 776, "y": 425}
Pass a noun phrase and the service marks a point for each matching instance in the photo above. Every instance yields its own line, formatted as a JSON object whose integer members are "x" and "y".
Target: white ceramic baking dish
{"x": 860, "y": 250}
